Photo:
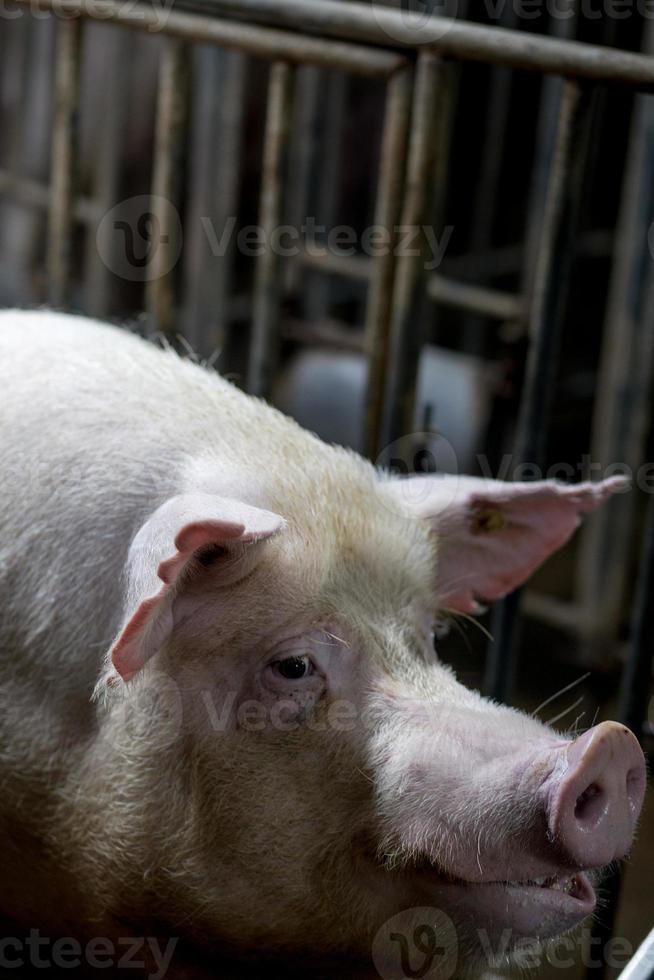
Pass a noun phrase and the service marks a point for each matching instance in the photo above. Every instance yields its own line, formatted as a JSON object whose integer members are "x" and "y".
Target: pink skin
{"x": 474, "y": 800}
{"x": 590, "y": 804}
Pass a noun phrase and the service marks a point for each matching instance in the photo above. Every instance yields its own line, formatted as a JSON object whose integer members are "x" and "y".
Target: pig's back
{"x": 97, "y": 429}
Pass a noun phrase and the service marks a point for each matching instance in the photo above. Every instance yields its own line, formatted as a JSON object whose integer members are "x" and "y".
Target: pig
{"x": 224, "y": 720}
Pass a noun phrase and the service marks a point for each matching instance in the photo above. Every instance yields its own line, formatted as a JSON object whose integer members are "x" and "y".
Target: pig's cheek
{"x": 286, "y": 711}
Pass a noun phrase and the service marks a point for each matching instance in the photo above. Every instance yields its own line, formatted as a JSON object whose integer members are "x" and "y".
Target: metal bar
{"x": 33, "y": 194}
{"x": 545, "y": 320}
{"x": 332, "y": 113}
{"x": 303, "y": 159}
{"x": 213, "y": 188}
{"x": 621, "y": 411}
{"x": 633, "y": 698}
{"x": 488, "y": 181}
{"x": 548, "y": 117}
{"x": 495, "y": 303}
{"x": 264, "y": 42}
{"x": 264, "y": 342}
{"x": 387, "y": 208}
{"x": 62, "y": 166}
{"x": 636, "y": 677}
{"x": 170, "y": 133}
{"x": 453, "y": 38}
{"x": 100, "y": 241}
{"x": 356, "y": 267}
{"x": 430, "y": 96}
{"x": 641, "y": 964}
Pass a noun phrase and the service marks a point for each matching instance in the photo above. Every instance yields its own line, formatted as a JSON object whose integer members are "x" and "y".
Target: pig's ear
{"x": 186, "y": 531}
{"x": 492, "y": 535}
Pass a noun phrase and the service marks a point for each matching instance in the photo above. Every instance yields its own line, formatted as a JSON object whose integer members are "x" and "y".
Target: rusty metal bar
{"x": 495, "y": 303}
{"x": 62, "y": 165}
{"x": 33, "y": 194}
{"x": 213, "y": 188}
{"x": 380, "y": 293}
{"x": 170, "y": 133}
{"x": 264, "y": 342}
{"x": 332, "y": 103}
{"x": 453, "y": 38}
{"x": 263, "y": 42}
{"x": 545, "y": 318}
{"x": 100, "y": 240}
{"x": 622, "y": 406}
{"x": 430, "y": 96}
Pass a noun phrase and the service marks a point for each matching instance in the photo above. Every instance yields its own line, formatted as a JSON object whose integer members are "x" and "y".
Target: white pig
{"x": 222, "y": 715}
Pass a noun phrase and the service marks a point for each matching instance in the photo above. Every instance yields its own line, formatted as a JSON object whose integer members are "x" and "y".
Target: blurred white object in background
{"x": 323, "y": 390}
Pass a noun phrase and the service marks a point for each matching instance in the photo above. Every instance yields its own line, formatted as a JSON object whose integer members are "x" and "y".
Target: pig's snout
{"x": 596, "y": 797}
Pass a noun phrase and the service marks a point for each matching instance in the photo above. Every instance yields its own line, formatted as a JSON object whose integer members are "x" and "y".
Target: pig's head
{"x": 315, "y": 770}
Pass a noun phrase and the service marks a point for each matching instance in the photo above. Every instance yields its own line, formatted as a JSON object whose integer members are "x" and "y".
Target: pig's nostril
{"x": 589, "y": 804}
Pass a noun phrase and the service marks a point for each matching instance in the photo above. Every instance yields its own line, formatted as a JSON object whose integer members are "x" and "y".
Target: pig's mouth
{"x": 538, "y": 907}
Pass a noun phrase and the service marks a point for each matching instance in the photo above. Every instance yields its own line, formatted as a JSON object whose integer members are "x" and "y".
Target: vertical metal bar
{"x": 545, "y": 326}
{"x": 633, "y": 698}
{"x": 493, "y": 149}
{"x": 302, "y": 161}
{"x": 548, "y": 117}
{"x": 333, "y": 111}
{"x": 99, "y": 278}
{"x": 427, "y": 159}
{"x": 170, "y": 132}
{"x": 213, "y": 188}
{"x": 387, "y": 207}
{"x": 264, "y": 343}
{"x": 622, "y": 406}
{"x": 63, "y": 157}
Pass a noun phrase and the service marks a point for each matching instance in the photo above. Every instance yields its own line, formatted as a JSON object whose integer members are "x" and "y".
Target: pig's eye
{"x": 293, "y": 668}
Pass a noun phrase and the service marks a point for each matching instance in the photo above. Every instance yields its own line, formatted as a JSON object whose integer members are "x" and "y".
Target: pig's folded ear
{"x": 187, "y": 531}
{"x": 491, "y": 535}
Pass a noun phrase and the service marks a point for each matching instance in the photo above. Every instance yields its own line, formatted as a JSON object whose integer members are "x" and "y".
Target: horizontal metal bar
{"x": 326, "y": 334}
{"x": 357, "y": 267}
{"x": 34, "y": 194}
{"x": 376, "y": 24}
{"x": 264, "y": 42}
{"x": 495, "y": 303}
